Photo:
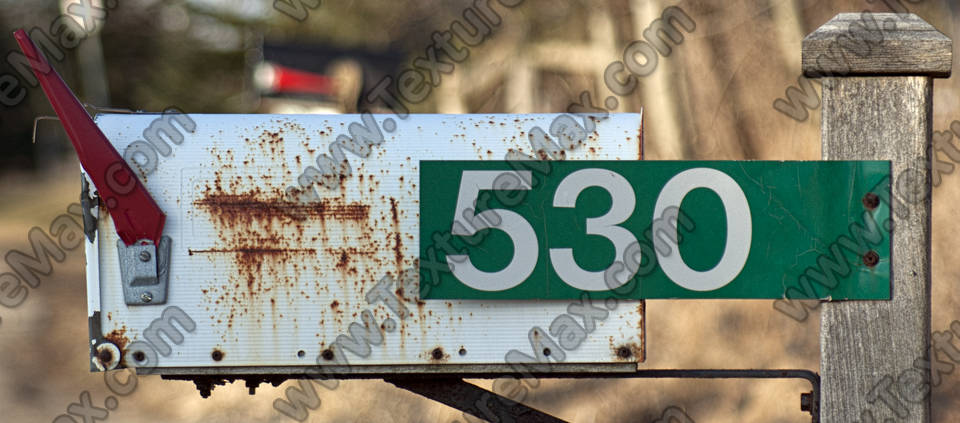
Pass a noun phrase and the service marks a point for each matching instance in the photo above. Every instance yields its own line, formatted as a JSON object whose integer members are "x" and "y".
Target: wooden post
{"x": 877, "y": 71}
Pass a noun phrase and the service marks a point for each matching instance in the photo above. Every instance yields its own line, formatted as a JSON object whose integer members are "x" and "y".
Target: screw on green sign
{"x": 595, "y": 226}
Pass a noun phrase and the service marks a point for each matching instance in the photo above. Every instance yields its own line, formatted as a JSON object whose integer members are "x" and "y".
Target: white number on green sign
{"x": 623, "y": 205}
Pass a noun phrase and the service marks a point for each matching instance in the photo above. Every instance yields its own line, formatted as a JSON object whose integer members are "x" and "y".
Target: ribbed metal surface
{"x": 271, "y": 279}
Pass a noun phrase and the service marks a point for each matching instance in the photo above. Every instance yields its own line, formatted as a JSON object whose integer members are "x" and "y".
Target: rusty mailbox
{"x": 272, "y": 246}
{"x": 291, "y": 241}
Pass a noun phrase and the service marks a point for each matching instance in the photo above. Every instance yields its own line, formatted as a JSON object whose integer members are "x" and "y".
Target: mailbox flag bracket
{"x": 143, "y": 252}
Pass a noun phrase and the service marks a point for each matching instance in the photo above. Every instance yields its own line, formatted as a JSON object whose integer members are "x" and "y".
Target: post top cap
{"x": 858, "y": 44}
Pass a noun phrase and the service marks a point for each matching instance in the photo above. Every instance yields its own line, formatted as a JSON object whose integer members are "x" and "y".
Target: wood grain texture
{"x": 878, "y": 104}
{"x": 854, "y": 44}
{"x": 864, "y": 342}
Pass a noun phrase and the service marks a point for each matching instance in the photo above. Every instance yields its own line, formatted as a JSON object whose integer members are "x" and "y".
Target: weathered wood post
{"x": 877, "y": 71}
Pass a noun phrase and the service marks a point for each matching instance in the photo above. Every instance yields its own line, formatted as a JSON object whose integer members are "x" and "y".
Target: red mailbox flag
{"x": 135, "y": 214}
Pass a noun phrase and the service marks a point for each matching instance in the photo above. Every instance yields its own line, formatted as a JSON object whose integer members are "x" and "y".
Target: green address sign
{"x": 654, "y": 229}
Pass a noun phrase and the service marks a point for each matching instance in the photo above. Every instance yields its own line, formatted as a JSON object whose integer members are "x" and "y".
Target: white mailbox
{"x": 262, "y": 247}
{"x": 278, "y": 265}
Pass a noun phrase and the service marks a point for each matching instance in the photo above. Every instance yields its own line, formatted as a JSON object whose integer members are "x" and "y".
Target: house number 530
{"x": 526, "y": 247}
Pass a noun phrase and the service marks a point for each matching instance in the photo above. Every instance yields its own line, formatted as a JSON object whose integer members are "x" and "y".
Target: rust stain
{"x": 254, "y": 251}
{"x": 628, "y": 352}
{"x": 437, "y": 355}
{"x": 642, "y": 327}
{"x": 631, "y": 351}
{"x": 118, "y": 337}
{"x": 279, "y": 252}
{"x": 397, "y": 236}
{"x": 265, "y": 231}
{"x": 640, "y": 138}
{"x": 346, "y": 259}
{"x": 398, "y": 248}
{"x": 252, "y": 205}
{"x": 327, "y": 354}
{"x": 350, "y": 251}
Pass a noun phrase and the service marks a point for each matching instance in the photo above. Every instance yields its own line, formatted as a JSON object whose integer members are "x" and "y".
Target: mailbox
{"x": 270, "y": 246}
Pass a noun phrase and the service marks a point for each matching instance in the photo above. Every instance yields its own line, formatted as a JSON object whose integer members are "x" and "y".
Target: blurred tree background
{"x": 200, "y": 56}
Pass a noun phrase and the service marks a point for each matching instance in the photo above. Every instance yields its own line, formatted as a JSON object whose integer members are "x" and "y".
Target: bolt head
{"x": 105, "y": 355}
{"x": 806, "y": 401}
{"x": 146, "y": 297}
{"x": 144, "y": 256}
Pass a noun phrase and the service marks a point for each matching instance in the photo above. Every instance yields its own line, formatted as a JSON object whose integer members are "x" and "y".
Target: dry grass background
{"x": 721, "y": 84}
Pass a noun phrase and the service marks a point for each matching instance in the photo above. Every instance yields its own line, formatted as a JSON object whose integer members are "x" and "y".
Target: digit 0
{"x": 739, "y": 229}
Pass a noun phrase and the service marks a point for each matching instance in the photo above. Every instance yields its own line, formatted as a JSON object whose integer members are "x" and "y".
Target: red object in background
{"x": 282, "y": 79}
{"x": 135, "y": 214}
